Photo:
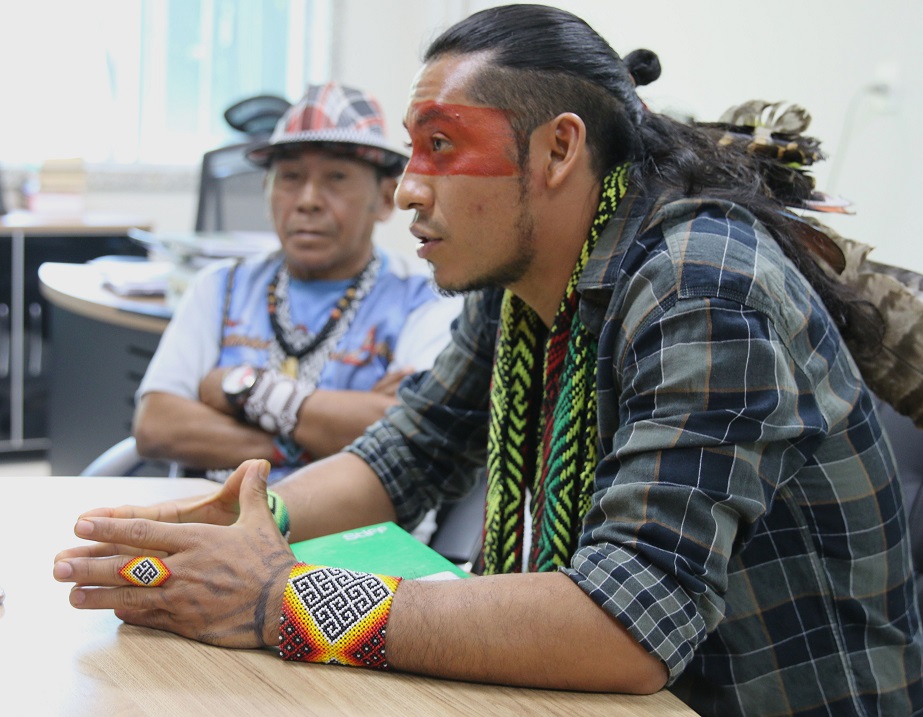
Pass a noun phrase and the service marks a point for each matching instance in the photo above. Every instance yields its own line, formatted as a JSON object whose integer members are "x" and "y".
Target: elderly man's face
{"x": 463, "y": 182}
{"x": 324, "y": 208}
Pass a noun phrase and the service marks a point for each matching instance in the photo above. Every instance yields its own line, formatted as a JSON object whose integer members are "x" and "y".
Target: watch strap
{"x": 274, "y": 401}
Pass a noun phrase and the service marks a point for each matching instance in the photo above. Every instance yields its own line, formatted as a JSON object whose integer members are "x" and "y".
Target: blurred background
{"x": 117, "y": 100}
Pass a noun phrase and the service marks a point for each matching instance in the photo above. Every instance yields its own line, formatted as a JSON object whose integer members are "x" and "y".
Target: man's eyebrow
{"x": 430, "y": 113}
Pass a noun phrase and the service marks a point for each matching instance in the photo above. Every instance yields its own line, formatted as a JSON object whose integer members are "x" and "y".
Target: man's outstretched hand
{"x": 226, "y": 580}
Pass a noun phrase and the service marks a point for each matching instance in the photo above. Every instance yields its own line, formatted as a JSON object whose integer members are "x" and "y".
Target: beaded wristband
{"x": 274, "y": 401}
{"x": 279, "y": 512}
{"x": 336, "y": 616}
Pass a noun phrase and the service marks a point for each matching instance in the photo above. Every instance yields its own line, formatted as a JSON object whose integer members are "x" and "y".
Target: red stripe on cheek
{"x": 472, "y": 141}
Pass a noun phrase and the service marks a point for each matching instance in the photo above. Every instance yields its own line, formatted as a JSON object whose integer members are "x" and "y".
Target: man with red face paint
{"x": 688, "y": 484}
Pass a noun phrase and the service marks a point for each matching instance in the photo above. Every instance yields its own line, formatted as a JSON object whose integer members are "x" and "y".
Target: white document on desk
{"x": 136, "y": 278}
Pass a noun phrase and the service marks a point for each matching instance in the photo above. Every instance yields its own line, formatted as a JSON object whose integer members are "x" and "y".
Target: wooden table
{"x": 55, "y": 660}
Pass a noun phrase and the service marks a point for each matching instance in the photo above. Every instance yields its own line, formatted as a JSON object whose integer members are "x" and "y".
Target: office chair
{"x": 907, "y": 444}
{"x": 123, "y": 460}
{"x": 230, "y": 188}
{"x": 256, "y": 116}
{"x": 460, "y": 526}
{"x": 231, "y": 196}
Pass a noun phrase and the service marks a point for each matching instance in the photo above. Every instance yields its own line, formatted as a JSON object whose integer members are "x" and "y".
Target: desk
{"x": 109, "y": 341}
{"x": 87, "y": 224}
{"x": 55, "y": 660}
{"x": 78, "y": 288}
{"x": 26, "y": 240}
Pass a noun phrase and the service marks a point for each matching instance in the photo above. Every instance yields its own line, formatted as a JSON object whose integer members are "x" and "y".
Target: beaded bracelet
{"x": 336, "y": 616}
{"x": 274, "y": 401}
{"x": 279, "y": 512}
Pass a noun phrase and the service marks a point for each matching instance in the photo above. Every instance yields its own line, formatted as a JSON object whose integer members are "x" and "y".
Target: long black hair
{"x": 542, "y": 61}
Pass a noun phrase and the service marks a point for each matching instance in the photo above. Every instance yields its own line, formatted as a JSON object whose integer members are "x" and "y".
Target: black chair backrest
{"x": 231, "y": 196}
{"x": 907, "y": 443}
{"x": 459, "y": 526}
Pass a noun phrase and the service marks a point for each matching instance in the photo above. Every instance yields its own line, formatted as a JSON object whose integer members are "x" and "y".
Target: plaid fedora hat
{"x": 338, "y": 119}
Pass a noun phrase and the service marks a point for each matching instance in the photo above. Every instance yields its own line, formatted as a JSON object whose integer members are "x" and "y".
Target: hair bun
{"x": 644, "y": 66}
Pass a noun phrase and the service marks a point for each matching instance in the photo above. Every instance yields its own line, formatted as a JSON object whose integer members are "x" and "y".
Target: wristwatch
{"x": 237, "y": 384}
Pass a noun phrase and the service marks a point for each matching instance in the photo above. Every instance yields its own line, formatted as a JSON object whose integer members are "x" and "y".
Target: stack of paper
{"x": 136, "y": 278}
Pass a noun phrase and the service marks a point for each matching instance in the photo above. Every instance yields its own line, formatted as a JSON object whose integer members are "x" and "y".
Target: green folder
{"x": 384, "y": 548}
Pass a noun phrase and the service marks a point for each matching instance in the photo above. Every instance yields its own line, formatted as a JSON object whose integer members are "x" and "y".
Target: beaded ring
{"x": 336, "y": 616}
{"x": 145, "y": 572}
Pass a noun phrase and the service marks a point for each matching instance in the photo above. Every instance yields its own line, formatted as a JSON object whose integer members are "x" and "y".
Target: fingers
{"x": 101, "y": 583}
{"x": 140, "y": 534}
{"x": 101, "y": 550}
{"x": 128, "y": 599}
{"x": 230, "y": 491}
{"x": 123, "y": 511}
{"x": 159, "y": 511}
{"x": 254, "y": 508}
{"x": 101, "y": 571}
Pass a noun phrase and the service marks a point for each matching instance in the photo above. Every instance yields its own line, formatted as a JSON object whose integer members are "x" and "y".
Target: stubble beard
{"x": 508, "y": 273}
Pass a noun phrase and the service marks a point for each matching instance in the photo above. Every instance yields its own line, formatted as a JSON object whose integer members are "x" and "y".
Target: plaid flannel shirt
{"x": 747, "y": 525}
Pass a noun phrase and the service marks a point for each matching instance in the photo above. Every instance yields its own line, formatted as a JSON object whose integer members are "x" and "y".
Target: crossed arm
{"x": 206, "y": 434}
{"x": 230, "y": 566}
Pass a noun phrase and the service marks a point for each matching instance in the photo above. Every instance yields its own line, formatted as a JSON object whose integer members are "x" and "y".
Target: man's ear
{"x": 387, "y": 186}
{"x": 562, "y": 147}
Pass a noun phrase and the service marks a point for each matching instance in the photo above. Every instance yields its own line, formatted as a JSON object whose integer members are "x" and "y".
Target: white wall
{"x": 818, "y": 53}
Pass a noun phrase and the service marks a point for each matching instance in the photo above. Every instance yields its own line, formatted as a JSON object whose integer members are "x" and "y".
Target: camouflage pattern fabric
{"x": 895, "y": 373}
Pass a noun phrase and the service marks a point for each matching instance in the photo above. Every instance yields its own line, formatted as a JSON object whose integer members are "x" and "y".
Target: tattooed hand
{"x": 226, "y": 582}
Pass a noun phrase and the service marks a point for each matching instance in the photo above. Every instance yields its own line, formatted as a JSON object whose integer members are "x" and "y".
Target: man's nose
{"x": 311, "y": 197}
{"x": 413, "y": 192}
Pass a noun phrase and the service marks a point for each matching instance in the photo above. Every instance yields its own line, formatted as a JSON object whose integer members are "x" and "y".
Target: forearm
{"x": 174, "y": 428}
{"x": 330, "y": 420}
{"x": 332, "y": 495}
{"x": 534, "y": 629}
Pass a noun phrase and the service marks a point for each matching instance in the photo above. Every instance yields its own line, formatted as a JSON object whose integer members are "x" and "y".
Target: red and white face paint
{"x": 453, "y": 139}
{"x": 463, "y": 182}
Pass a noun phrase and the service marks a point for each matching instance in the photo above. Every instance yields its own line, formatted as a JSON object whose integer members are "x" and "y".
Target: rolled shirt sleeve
{"x": 709, "y": 430}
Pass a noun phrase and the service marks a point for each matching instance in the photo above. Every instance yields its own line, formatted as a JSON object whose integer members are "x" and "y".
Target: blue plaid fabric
{"x": 747, "y": 525}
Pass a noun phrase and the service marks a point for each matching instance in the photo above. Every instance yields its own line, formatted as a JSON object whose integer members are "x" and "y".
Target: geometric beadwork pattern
{"x": 336, "y": 616}
{"x": 145, "y": 572}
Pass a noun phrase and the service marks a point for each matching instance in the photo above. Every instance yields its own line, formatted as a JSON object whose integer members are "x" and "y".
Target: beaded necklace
{"x": 295, "y": 343}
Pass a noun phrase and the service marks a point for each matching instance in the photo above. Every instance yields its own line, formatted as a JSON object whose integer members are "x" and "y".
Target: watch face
{"x": 238, "y": 381}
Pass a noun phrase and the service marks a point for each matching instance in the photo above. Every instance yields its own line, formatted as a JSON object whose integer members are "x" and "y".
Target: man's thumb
{"x": 253, "y": 490}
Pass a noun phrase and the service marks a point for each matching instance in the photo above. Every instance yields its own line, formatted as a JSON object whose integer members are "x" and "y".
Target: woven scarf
{"x": 543, "y": 423}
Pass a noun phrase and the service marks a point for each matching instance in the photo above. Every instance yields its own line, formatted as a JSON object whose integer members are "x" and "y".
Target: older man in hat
{"x": 290, "y": 356}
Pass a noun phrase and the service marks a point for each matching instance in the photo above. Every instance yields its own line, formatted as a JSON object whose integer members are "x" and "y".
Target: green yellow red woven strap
{"x": 543, "y": 424}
